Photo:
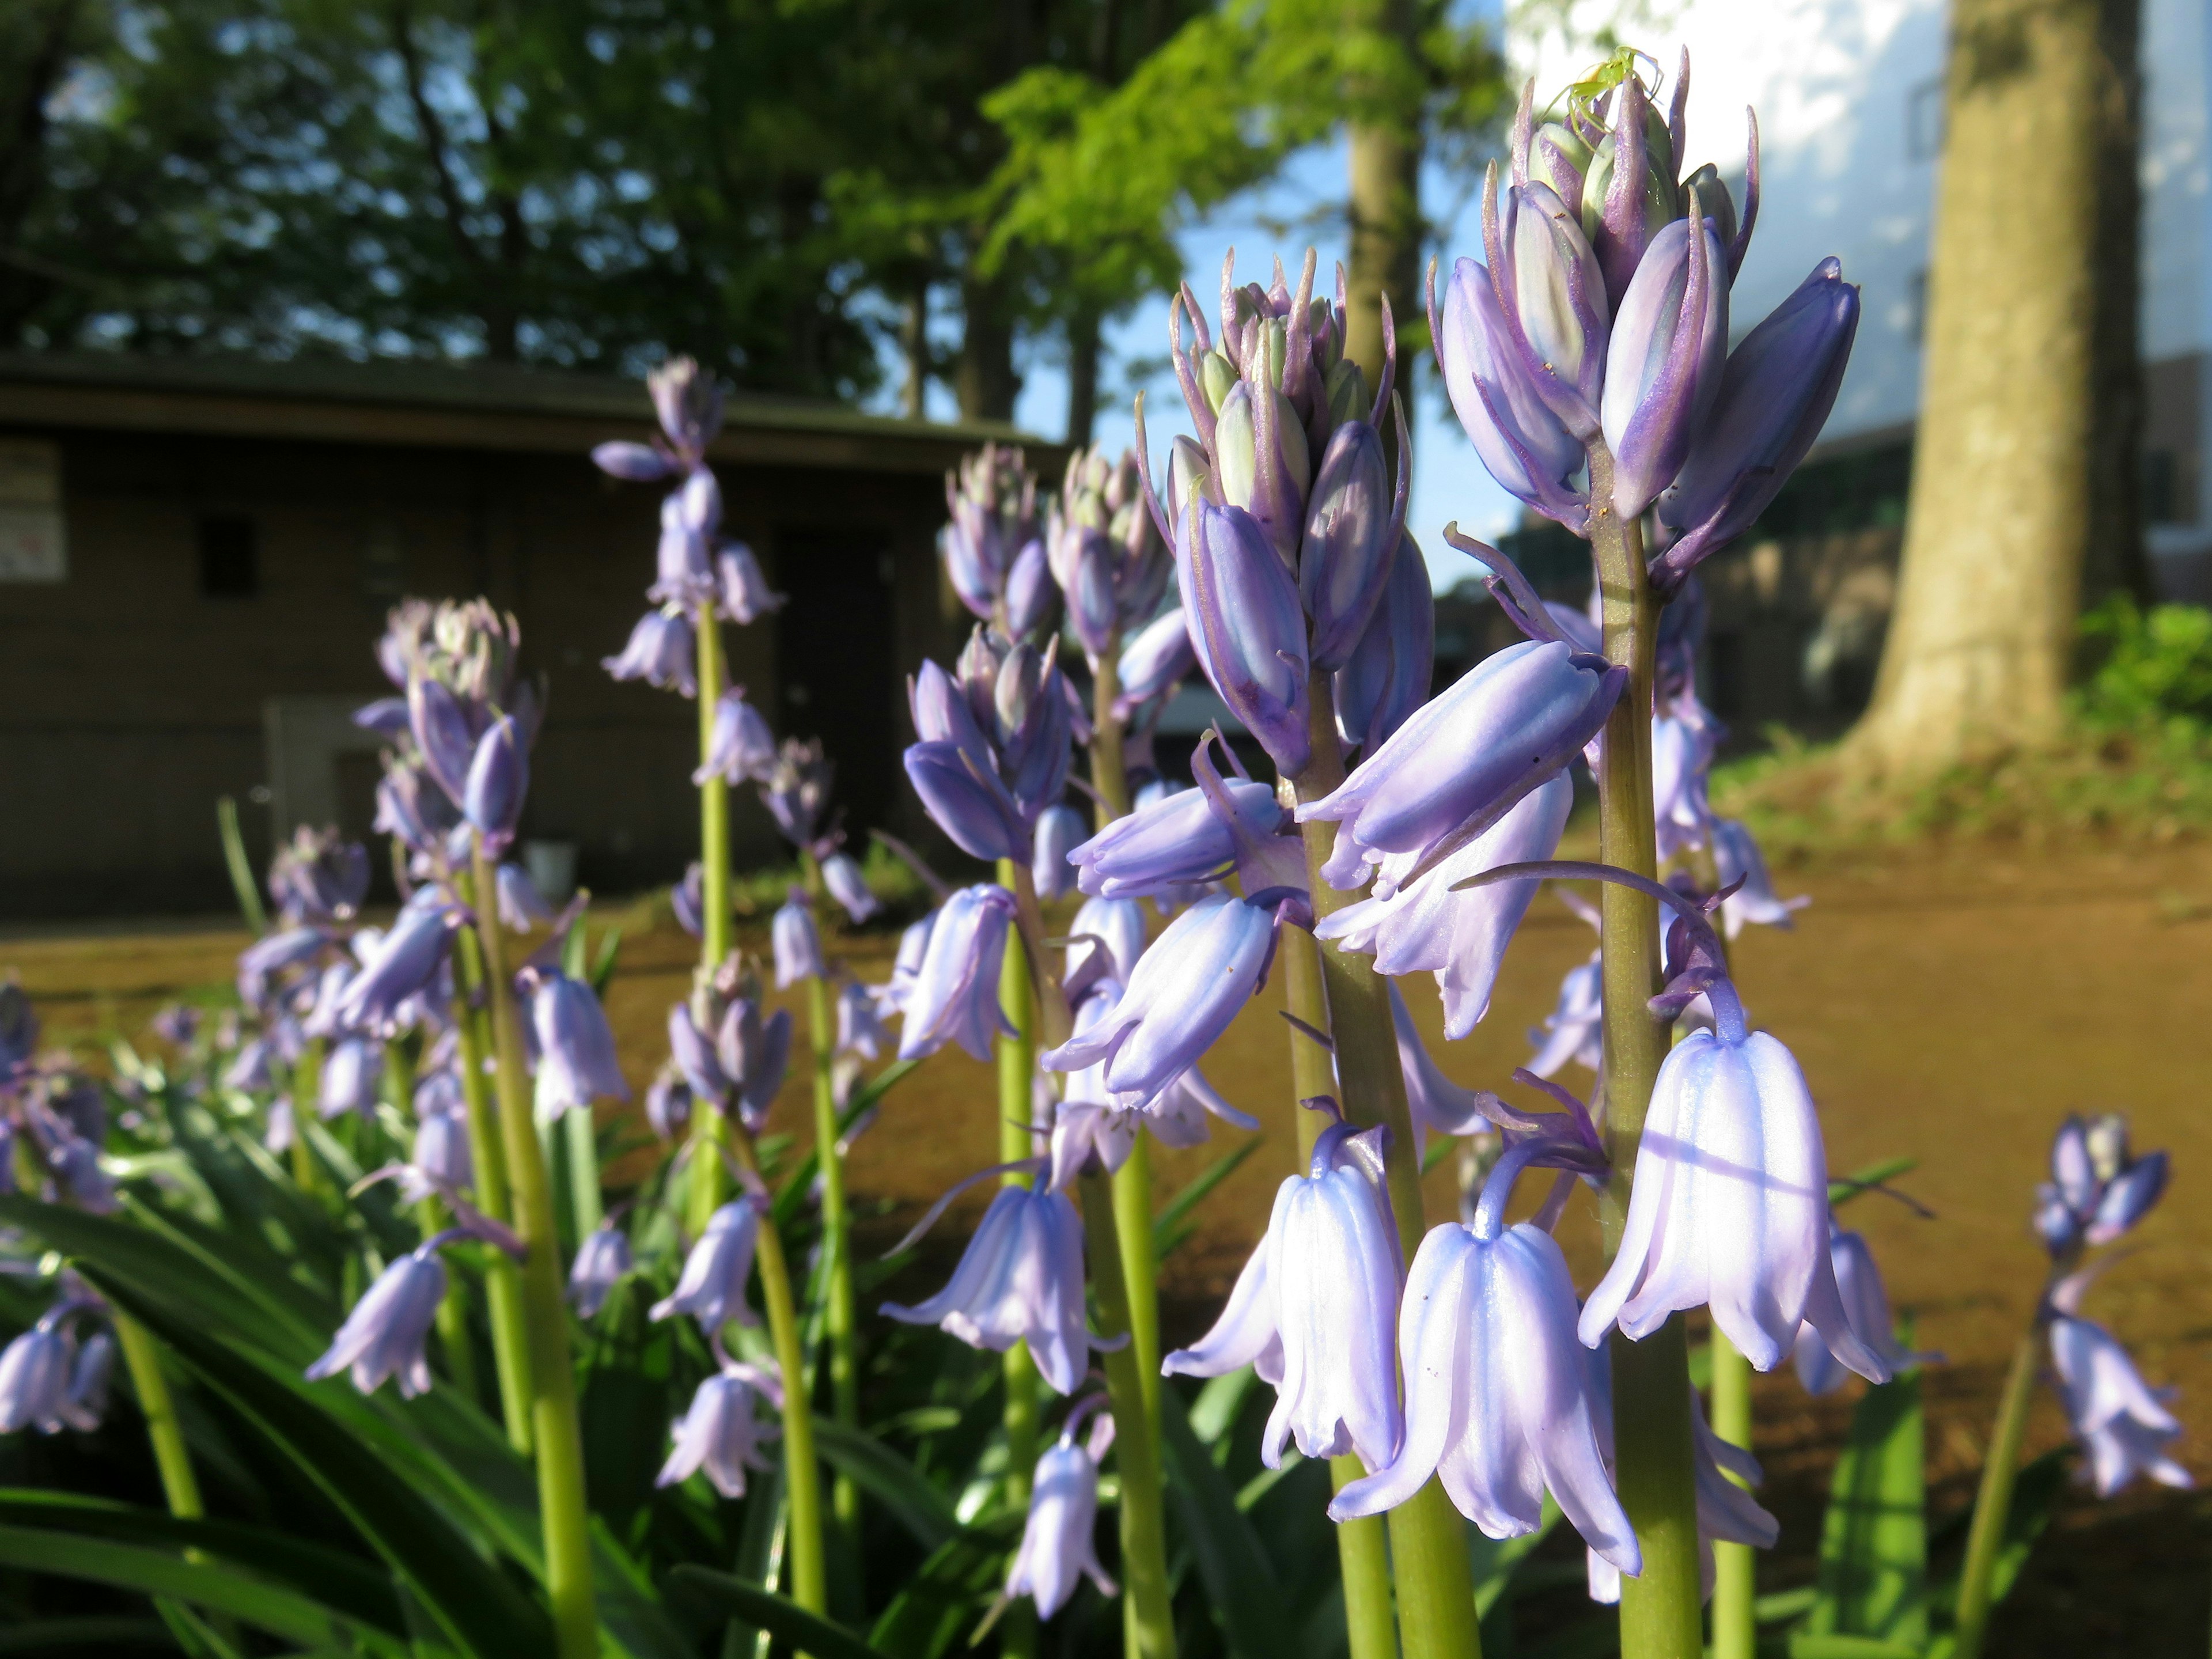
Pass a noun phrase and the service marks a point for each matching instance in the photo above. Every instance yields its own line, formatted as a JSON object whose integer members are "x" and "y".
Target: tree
{"x": 2009, "y": 449}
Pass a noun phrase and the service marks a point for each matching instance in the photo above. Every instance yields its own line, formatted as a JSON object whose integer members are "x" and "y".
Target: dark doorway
{"x": 836, "y": 658}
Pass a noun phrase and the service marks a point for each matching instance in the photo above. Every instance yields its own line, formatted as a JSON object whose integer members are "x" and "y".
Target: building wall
{"x": 133, "y": 698}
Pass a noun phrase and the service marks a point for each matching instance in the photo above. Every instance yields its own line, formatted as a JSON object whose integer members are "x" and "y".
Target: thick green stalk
{"x": 510, "y": 1339}
{"x": 836, "y": 1248}
{"x": 307, "y": 1095}
{"x": 1662, "y": 1612}
{"x": 584, "y": 1200}
{"x": 708, "y": 1178}
{"x": 1018, "y": 1628}
{"x": 1993, "y": 1503}
{"x": 1428, "y": 1537}
{"x": 1736, "y": 1590}
{"x": 555, "y": 1430}
{"x": 1149, "y": 1619}
{"x": 1362, "y": 1551}
{"x": 1110, "y": 774}
{"x": 143, "y": 1361}
{"x": 802, "y": 1473}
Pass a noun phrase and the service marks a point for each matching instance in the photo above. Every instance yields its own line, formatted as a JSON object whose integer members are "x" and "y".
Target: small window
{"x": 1924, "y": 121}
{"x": 230, "y": 561}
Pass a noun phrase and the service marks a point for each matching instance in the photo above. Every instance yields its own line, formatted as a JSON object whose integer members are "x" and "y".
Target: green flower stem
{"x": 1110, "y": 774}
{"x": 708, "y": 1178}
{"x": 1735, "y": 1626}
{"x": 242, "y": 884}
{"x": 510, "y": 1340}
{"x": 1362, "y": 1551}
{"x": 454, "y": 1337}
{"x": 582, "y": 1129}
{"x": 143, "y": 1361}
{"x": 1149, "y": 1620}
{"x": 1017, "y": 1628}
{"x": 555, "y": 1430}
{"x": 1993, "y": 1503}
{"x": 1662, "y": 1612}
{"x": 802, "y": 1473}
{"x": 306, "y": 1092}
{"x": 1428, "y": 1537}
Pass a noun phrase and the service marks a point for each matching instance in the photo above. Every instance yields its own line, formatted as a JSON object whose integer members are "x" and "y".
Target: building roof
{"x": 446, "y": 405}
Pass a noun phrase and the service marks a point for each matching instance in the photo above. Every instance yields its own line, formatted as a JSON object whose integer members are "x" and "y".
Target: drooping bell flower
{"x": 522, "y": 907}
{"x": 798, "y": 942}
{"x": 890, "y": 998}
{"x": 753, "y": 1051}
{"x": 659, "y": 653}
{"x": 668, "y": 1104}
{"x": 1776, "y": 392}
{"x": 2126, "y": 1424}
{"x": 385, "y": 1333}
{"x": 955, "y": 996}
{"x": 576, "y": 1060}
{"x": 1866, "y": 1305}
{"x": 85, "y": 1403}
{"x": 440, "y": 1160}
{"x": 1352, "y": 532}
{"x": 689, "y": 515}
{"x": 1092, "y": 1121}
{"x": 350, "y": 1071}
{"x": 1152, "y": 663}
{"x": 412, "y": 807}
{"x": 1729, "y": 1206}
{"x": 1059, "y": 830}
{"x": 602, "y": 1260}
{"x": 745, "y": 594}
{"x": 968, "y": 802}
{"x": 1466, "y": 758}
{"x": 840, "y": 874}
{"x": 1058, "y": 1539}
{"x": 719, "y": 1432}
{"x": 1663, "y": 372}
{"x": 318, "y": 877}
{"x": 1574, "y": 1032}
{"x": 262, "y": 963}
{"x": 1437, "y": 1104}
{"x": 1117, "y": 926}
{"x": 1175, "y": 839}
{"x": 742, "y": 747}
{"x": 443, "y": 734}
{"x": 34, "y": 1379}
{"x": 1320, "y": 1298}
{"x": 1247, "y": 625}
{"x": 499, "y": 778}
{"x": 1019, "y": 1280}
{"x": 1740, "y": 865}
{"x": 712, "y": 1287}
{"x": 1387, "y": 677}
{"x": 1460, "y": 937}
{"x": 405, "y": 960}
{"x": 859, "y": 1027}
{"x": 1187, "y": 989}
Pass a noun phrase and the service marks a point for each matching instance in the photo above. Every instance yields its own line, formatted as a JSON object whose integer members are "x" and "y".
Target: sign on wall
{"x": 33, "y": 535}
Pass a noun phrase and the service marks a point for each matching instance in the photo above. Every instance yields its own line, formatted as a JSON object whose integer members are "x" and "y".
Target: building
{"x": 1849, "y": 99}
{"x": 196, "y": 555}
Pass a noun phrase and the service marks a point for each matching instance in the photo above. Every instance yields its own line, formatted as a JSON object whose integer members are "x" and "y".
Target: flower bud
{"x": 1386, "y": 676}
{"x": 967, "y": 802}
{"x": 1154, "y": 661}
{"x": 498, "y": 779}
{"x": 1560, "y": 300}
{"x": 688, "y": 403}
{"x": 1217, "y": 378}
{"x": 1345, "y": 559}
{"x": 842, "y": 875}
{"x": 1628, "y": 188}
{"x": 797, "y": 941}
{"x": 1092, "y": 612}
{"x": 1524, "y": 446}
{"x": 1663, "y": 365}
{"x": 1029, "y": 593}
{"x": 1247, "y": 626}
{"x": 637, "y": 462}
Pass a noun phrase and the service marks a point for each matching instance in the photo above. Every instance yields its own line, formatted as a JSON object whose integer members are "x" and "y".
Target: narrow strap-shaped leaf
{"x": 1241, "y": 1584}
{"x": 1167, "y": 1225}
{"x": 937, "y": 1609}
{"x": 100, "y": 1633}
{"x": 1874, "y": 1543}
{"x": 925, "y": 1512}
{"x": 781, "y": 1618}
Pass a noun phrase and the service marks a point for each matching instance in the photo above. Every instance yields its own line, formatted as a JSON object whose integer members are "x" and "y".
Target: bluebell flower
{"x": 1157, "y": 661}
{"x": 842, "y": 875}
{"x": 955, "y": 994}
{"x": 1176, "y": 839}
{"x": 797, "y": 943}
{"x": 1115, "y": 926}
{"x": 1019, "y": 1280}
{"x": 859, "y": 1028}
{"x": 1753, "y": 902}
{"x": 1059, "y": 830}
{"x": 318, "y": 877}
{"x": 440, "y": 1159}
{"x": 2097, "y": 1191}
{"x": 668, "y": 1104}
{"x": 1246, "y": 624}
{"x": 406, "y": 959}
{"x": 499, "y": 778}
{"x": 967, "y": 801}
{"x": 34, "y": 1379}
{"x": 522, "y": 907}
{"x": 719, "y": 1432}
{"x": 1437, "y": 1105}
{"x": 890, "y": 998}
{"x": 659, "y": 653}
{"x": 712, "y": 1287}
{"x": 86, "y": 1404}
{"x": 350, "y": 1072}
{"x": 1663, "y": 362}
{"x": 602, "y": 1260}
{"x": 2127, "y": 1426}
{"x": 741, "y": 747}
{"x": 1059, "y": 1542}
{"x": 576, "y": 1060}
{"x": 1866, "y": 1305}
{"x": 1386, "y": 678}
{"x": 1574, "y": 1032}
{"x": 385, "y": 1333}
{"x": 745, "y": 594}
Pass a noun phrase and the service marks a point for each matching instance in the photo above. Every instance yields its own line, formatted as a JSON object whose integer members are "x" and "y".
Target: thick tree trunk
{"x": 1979, "y": 649}
{"x": 985, "y": 378}
{"x": 1083, "y": 351}
{"x": 1384, "y": 207}
{"x": 914, "y": 345}
{"x": 2115, "y": 561}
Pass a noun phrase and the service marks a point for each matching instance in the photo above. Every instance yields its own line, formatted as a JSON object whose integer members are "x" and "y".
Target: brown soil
{"x": 1949, "y": 1008}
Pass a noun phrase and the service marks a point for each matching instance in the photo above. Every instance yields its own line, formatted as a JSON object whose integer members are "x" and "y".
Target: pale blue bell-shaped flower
{"x": 499, "y": 778}
{"x": 1175, "y": 839}
{"x": 602, "y": 1260}
{"x": 1247, "y": 625}
{"x": 712, "y": 1287}
{"x": 1059, "y": 830}
{"x": 955, "y": 994}
{"x": 859, "y": 1026}
{"x": 1113, "y": 925}
{"x": 741, "y": 746}
{"x": 2127, "y": 1425}
{"x": 659, "y": 653}
{"x": 1020, "y": 1280}
{"x": 1523, "y": 444}
{"x": 840, "y": 874}
{"x": 719, "y": 1433}
{"x": 577, "y": 1059}
{"x": 34, "y": 1379}
{"x": 1574, "y": 1032}
{"x": 1741, "y": 864}
{"x": 522, "y": 907}
{"x": 385, "y": 1333}
{"x": 1866, "y": 1305}
{"x": 406, "y": 959}
{"x": 746, "y": 596}
{"x": 87, "y": 1401}
{"x": 1059, "y": 1540}
{"x": 798, "y": 942}
{"x": 351, "y": 1071}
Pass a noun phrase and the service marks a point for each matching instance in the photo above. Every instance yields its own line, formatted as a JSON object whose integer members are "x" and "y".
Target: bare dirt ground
{"x": 1948, "y": 1007}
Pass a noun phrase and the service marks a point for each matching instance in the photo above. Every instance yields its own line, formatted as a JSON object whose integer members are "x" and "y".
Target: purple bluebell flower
{"x": 177, "y": 1024}
{"x": 688, "y": 402}
{"x": 1386, "y": 676}
{"x": 384, "y": 1334}
{"x": 1498, "y": 1398}
{"x": 2127, "y": 1425}
{"x": 1059, "y": 830}
{"x": 280, "y": 1131}
{"x": 576, "y": 1063}
{"x": 1247, "y": 625}
{"x": 659, "y": 653}
{"x": 892, "y": 997}
{"x": 1460, "y": 937}
{"x": 1523, "y": 445}
{"x": 261, "y": 963}
{"x": 1463, "y": 761}
{"x": 1866, "y": 1305}
{"x": 1019, "y": 1280}
{"x": 350, "y": 1071}
{"x": 1352, "y": 539}
{"x": 385, "y": 716}
{"x": 687, "y": 899}
{"x": 1551, "y": 296}
{"x": 444, "y": 735}
{"x": 1188, "y": 988}
{"x": 798, "y": 942}
{"x": 1092, "y": 1119}
{"x": 85, "y": 1403}
{"x": 440, "y": 1160}
{"x": 840, "y": 874}
{"x": 746, "y": 595}
{"x": 668, "y": 1104}
{"x": 797, "y": 793}
{"x": 35, "y": 1378}
{"x": 1736, "y": 854}
{"x": 742, "y": 746}
{"x": 633, "y": 463}
{"x": 1684, "y": 739}
{"x": 412, "y": 807}
{"x": 248, "y": 1070}
{"x": 1117, "y": 926}
{"x": 754, "y": 1051}
{"x": 1030, "y": 594}
{"x": 1322, "y": 1301}
{"x": 1157, "y": 659}
{"x": 712, "y": 1287}
{"x": 859, "y": 1028}
{"x": 693, "y": 1052}
{"x": 955, "y": 995}
{"x": 1776, "y": 392}
{"x": 499, "y": 778}
{"x": 1574, "y": 1032}
{"x": 1730, "y": 1207}
{"x": 1178, "y": 839}
{"x": 689, "y": 514}
{"x": 318, "y": 877}
{"x": 719, "y": 1433}
{"x": 522, "y": 907}
{"x": 1664, "y": 366}
{"x": 1059, "y": 1540}
{"x": 404, "y": 961}
{"x": 602, "y": 1260}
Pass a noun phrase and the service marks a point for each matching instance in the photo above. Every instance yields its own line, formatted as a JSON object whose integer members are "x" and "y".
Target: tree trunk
{"x": 2115, "y": 561}
{"x": 985, "y": 378}
{"x": 1082, "y": 351}
{"x": 1979, "y": 649}
{"x": 1384, "y": 207}
{"x": 914, "y": 343}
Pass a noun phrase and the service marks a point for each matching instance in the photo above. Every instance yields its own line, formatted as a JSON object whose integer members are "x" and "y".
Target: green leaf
{"x": 935, "y": 1610}
{"x": 1874, "y": 1543}
{"x": 2035, "y": 1493}
{"x": 783, "y": 1619}
{"x": 1846, "y": 1187}
{"x": 602, "y": 965}
{"x": 1241, "y": 1586}
{"x": 58, "y": 1635}
{"x": 1168, "y": 1229}
{"x": 924, "y": 1510}
{"x": 203, "y": 1583}
{"x": 799, "y": 1184}
{"x": 1807, "y": 1646}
